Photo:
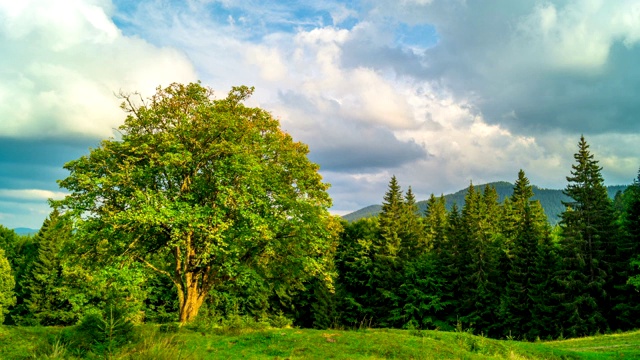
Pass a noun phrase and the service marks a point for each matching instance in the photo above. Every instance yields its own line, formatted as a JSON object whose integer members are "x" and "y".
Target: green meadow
{"x": 173, "y": 342}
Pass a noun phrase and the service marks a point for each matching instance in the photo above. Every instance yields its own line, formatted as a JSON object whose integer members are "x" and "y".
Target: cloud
{"x": 64, "y": 62}
{"x": 561, "y": 65}
{"x": 67, "y": 61}
{"x": 36, "y": 195}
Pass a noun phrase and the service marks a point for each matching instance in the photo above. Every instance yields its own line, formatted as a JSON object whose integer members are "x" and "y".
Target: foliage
{"x": 46, "y": 290}
{"x": 478, "y": 278}
{"x": 101, "y": 333}
{"x": 588, "y": 233}
{"x": 354, "y": 264}
{"x": 627, "y": 299}
{"x": 7, "y": 283}
{"x": 199, "y": 190}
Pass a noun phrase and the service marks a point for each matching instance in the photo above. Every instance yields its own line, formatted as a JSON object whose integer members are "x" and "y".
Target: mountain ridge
{"x": 550, "y": 199}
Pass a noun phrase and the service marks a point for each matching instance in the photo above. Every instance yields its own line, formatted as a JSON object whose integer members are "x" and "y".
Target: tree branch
{"x": 149, "y": 265}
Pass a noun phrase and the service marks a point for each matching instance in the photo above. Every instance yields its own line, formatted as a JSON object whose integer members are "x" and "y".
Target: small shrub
{"x": 48, "y": 349}
{"x": 100, "y": 333}
{"x": 280, "y": 321}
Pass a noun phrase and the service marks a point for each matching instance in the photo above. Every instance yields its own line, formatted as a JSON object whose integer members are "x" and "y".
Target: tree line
{"x": 497, "y": 268}
{"x": 206, "y": 210}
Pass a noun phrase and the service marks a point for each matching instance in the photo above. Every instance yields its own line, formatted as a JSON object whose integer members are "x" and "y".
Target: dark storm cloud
{"x": 358, "y": 53}
{"x": 37, "y": 163}
{"x": 574, "y": 102}
{"x": 521, "y": 75}
{"x": 358, "y": 149}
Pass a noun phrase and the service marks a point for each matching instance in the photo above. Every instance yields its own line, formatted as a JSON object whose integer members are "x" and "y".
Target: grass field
{"x": 184, "y": 343}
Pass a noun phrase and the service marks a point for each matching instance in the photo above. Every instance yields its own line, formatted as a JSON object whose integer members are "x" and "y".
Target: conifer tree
{"x": 587, "y": 232}
{"x": 478, "y": 305}
{"x": 451, "y": 260}
{"x": 388, "y": 260}
{"x": 412, "y": 235}
{"x": 391, "y": 219}
{"x": 436, "y": 224}
{"x": 46, "y": 290}
{"x": 626, "y": 299}
{"x": 527, "y": 226}
{"x": 546, "y": 292}
{"x": 354, "y": 264}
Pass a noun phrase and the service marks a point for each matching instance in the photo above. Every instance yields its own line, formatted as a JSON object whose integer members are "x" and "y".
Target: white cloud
{"x": 31, "y": 194}
{"x": 67, "y": 61}
{"x": 580, "y": 34}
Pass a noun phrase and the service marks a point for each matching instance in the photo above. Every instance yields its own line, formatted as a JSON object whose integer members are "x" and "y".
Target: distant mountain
{"x": 550, "y": 199}
{"x": 25, "y": 231}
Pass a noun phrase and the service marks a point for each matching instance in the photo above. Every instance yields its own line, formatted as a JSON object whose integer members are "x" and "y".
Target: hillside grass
{"x": 615, "y": 346}
{"x": 185, "y": 343}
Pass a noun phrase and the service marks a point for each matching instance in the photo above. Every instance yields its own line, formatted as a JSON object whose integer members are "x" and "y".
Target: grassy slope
{"x": 615, "y": 346}
{"x": 29, "y": 343}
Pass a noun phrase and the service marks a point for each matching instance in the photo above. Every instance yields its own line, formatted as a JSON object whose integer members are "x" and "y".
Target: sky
{"x": 438, "y": 93}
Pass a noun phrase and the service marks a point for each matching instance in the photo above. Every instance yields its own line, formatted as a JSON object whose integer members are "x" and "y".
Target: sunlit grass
{"x": 186, "y": 343}
{"x": 614, "y": 346}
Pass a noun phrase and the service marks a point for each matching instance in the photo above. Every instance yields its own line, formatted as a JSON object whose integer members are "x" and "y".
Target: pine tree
{"x": 451, "y": 261}
{"x": 478, "y": 306}
{"x": 421, "y": 294}
{"x": 388, "y": 260}
{"x": 626, "y": 299}
{"x": 587, "y": 231}
{"x": 412, "y": 236}
{"x": 546, "y": 292}
{"x": 354, "y": 264}
{"x": 527, "y": 227}
{"x": 436, "y": 224}
{"x": 391, "y": 221}
{"x": 46, "y": 291}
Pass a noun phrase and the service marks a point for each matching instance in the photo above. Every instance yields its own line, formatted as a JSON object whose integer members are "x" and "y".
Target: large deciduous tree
{"x": 199, "y": 190}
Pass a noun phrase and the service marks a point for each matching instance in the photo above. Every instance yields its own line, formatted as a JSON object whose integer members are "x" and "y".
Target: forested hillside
{"x": 550, "y": 199}
{"x": 494, "y": 264}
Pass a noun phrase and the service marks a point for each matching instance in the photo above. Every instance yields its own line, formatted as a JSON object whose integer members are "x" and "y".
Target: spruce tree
{"x": 391, "y": 221}
{"x": 388, "y": 260}
{"x": 478, "y": 306}
{"x": 546, "y": 292}
{"x": 527, "y": 227}
{"x": 354, "y": 264}
{"x": 412, "y": 235}
{"x": 46, "y": 290}
{"x": 587, "y": 233}
{"x": 436, "y": 223}
{"x": 451, "y": 259}
{"x": 626, "y": 299}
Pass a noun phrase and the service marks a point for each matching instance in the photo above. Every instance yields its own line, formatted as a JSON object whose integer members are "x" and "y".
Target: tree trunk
{"x": 192, "y": 299}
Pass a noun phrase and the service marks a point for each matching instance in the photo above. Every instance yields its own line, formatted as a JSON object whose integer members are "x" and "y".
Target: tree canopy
{"x": 200, "y": 190}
